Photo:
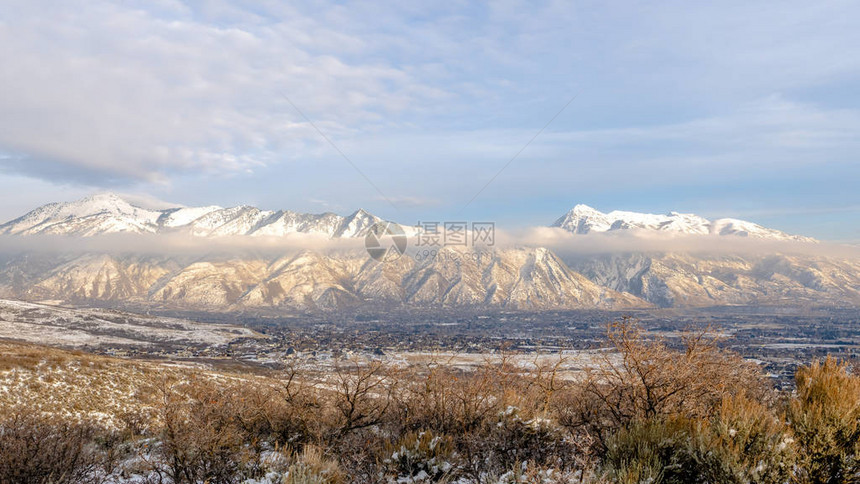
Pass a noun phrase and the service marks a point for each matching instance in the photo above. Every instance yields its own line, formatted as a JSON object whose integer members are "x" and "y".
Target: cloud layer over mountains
{"x": 108, "y": 222}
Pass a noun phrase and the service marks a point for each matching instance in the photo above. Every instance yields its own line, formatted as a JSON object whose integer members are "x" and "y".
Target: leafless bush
{"x": 293, "y": 408}
{"x": 493, "y": 416}
{"x": 42, "y": 450}
{"x": 646, "y": 380}
{"x": 508, "y": 440}
{"x": 362, "y": 393}
{"x": 201, "y": 439}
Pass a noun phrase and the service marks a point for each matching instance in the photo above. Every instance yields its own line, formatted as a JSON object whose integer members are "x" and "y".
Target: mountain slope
{"x": 515, "y": 278}
{"x": 106, "y": 213}
{"x": 686, "y": 280}
{"x": 525, "y": 278}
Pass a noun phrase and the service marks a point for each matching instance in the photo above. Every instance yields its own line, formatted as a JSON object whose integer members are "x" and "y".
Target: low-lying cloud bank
{"x": 174, "y": 244}
{"x": 558, "y": 240}
{"x": 564, "y": 243}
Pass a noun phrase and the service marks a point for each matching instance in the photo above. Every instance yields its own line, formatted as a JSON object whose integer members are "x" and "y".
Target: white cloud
{"x": 123, "y": 93}
{"x": 410, "y": 201}
{"x": 184, "y": 99}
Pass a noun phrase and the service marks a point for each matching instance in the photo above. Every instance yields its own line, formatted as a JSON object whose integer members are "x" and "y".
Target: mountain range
{"x": 524, "y": 277}
{"x": 108, "y": 213}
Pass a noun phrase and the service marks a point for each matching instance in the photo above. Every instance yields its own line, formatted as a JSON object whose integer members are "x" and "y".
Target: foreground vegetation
{"x": 643, "y": 413}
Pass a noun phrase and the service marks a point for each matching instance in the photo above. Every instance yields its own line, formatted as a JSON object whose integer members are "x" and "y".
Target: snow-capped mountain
{"x": 105, "y": 213}
{"x": 108, "y": 213}
{"x": 583, "y": 219}
{"x": 502, "y": 277}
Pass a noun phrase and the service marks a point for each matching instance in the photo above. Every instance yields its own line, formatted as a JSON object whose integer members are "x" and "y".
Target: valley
{"x": 779, "y": 339}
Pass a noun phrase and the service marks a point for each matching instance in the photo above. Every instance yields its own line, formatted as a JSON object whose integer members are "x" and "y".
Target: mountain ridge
{"x": 582, "y": 219}
{"x": 107, "y": 213}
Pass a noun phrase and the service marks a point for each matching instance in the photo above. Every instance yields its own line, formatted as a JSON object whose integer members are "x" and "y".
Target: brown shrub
{"x": 825, "y": 417}
{"x": 494, "y": 416}
{"x": 646, "y": 380}
{"x": 37, "y": 449}
{"x": 361, "y": 394}
{"x": 744, "y": 443}
{"x": 201, "y": 438}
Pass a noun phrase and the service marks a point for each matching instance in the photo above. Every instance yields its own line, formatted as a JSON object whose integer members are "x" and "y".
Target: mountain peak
{"x": 102, "y": 200}
{"x": 103, "y": 196}
{"x": 583, "y": 219}
{"x": 582, "y": 208}
{"x": 356, "y": 224}
{"x": 360, "y": 213}
{"x": 108, "y": 212}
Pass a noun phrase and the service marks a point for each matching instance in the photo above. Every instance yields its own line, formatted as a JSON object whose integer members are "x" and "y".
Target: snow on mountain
{"x": 108, "y": 213}
{"x": 525, "y": 278}
{"x": 286, "y": 222}
{"x": 689, "y": 280}
{"x": 731, "y": 226}
{"x": 103, "y": 213}
{"x": 239, "y": 220}
{"x": 177, "y": 217}
{"x": 357, "y": 224}
{"x": 583, "y": 219}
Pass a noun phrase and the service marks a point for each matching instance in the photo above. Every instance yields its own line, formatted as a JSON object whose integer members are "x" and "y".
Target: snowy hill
{"x": 583, "y": 219}
{"x": 108, "y": 213}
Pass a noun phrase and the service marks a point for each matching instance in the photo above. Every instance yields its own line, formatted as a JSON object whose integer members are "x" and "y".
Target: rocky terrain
{"x": 691, "y": 280}
{"x": 515, "y": 278}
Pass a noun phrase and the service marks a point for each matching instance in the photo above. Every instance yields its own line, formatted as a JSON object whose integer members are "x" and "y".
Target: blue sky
{"x": 725, "y": 109}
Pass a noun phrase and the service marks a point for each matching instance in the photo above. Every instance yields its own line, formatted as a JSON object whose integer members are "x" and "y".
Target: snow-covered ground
{"x": 62, "y": 326}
